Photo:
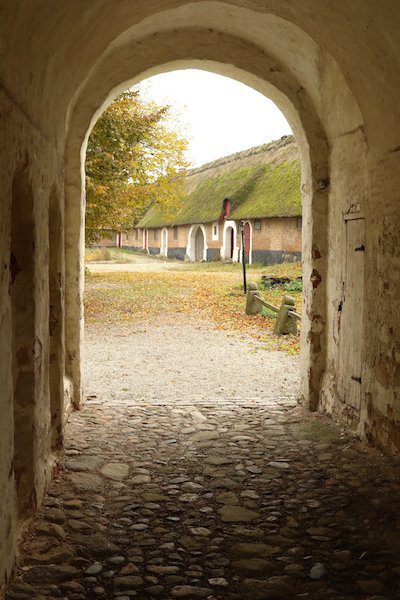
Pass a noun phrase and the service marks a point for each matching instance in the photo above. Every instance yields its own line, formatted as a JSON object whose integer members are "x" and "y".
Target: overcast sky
{"x": 219, "y": 114}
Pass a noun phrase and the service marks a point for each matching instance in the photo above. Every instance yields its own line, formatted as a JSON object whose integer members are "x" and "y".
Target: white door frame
{"x": 145, "y": 240}
{"x": 251, "y": 243}
{"x": 164, "y": 242}
{"x": 226, "y": 247}
{"x": 190, "y": 248}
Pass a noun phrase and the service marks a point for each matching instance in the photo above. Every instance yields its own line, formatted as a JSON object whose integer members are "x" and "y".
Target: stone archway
{"x": 324, "y": 67}
{"x": 309, "y": 133}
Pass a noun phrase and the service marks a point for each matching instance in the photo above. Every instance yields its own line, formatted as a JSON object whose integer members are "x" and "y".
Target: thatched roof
{"x": 260, "y": 182}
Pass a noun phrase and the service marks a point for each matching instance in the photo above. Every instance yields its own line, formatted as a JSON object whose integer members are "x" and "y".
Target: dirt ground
{"x": 136, "y": 263}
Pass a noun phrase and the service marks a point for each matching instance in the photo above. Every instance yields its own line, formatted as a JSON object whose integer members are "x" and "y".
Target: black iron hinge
{"x": 360, "y": 248}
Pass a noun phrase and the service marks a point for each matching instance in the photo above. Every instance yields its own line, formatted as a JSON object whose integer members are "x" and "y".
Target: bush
{"x": 295, "y": 285}
{"x": 98, "y": 254}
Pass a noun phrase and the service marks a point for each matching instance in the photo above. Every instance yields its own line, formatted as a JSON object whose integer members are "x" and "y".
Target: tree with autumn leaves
{"x": 133, "y": 160}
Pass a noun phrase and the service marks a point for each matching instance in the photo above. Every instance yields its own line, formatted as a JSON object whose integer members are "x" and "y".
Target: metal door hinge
{"x": 354, "y": 378}
{"x": 360, "y": 248}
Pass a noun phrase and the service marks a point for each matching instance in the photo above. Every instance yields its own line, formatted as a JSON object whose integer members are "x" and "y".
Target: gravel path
{"x": 137, "y": 263}
{"x": 191, "y": 473}
{"x": 190, "y": 361}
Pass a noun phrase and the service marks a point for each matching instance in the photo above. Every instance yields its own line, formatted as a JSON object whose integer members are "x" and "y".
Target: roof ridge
{"x": 230, "y": 158}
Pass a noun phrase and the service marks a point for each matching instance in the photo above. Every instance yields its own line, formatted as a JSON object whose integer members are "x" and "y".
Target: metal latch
{"x": 354, "y": 378}
{"x": 360, "y": 248}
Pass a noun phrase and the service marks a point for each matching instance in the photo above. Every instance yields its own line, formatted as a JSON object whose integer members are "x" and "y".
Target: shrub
{"x": 98, "y": 254}
{"x": 296, "y": 285}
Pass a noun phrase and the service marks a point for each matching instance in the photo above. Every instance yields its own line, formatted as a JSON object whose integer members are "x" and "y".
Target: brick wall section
{"x": 129, "y": 239}
{"x": 154, "y": 239}
{"x": 210, "y": 243}
{"x": 280, "y": 233}
{"x": 182, "y": 232}
{"x": 106, "y": 242}
{"x": 132, "y": 239}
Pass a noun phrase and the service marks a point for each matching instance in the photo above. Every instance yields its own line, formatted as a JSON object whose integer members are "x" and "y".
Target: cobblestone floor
{"x": 234, "y": 496}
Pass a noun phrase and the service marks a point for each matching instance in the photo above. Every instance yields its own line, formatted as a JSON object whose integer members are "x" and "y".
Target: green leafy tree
{"x": 133, "y": 160}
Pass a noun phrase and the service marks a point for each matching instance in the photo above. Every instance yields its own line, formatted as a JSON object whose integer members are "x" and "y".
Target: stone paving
{"x": 243, "y": 497}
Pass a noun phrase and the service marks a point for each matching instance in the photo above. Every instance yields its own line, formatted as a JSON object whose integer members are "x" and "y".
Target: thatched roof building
{"x": 261, "y": 182}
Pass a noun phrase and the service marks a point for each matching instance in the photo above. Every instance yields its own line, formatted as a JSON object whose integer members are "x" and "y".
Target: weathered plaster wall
{"x": 334, "y": 71}
{"x": 381, "y": 390}
{"x": 26, "y": 460}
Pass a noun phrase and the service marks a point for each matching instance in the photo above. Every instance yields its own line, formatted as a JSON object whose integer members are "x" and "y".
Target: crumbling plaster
{"x": 39, "y": 177}
{"x": 335, "y": 74}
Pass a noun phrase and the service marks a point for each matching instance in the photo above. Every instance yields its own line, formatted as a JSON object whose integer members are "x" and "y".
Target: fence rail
{"x": 286, "y": 316}
{"x": 266, "y": 304}
{"x": 294, "y": 314}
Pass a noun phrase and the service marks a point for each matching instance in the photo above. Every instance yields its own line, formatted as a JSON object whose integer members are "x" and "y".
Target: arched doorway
{"x": 199, "y": 245}
{"x": 196, "y": 248}
{"x": 164, "y": 242}
{"x": 229, "y": 243}
{"x": 247, "y": 243}
{"x": 230, "y": 250}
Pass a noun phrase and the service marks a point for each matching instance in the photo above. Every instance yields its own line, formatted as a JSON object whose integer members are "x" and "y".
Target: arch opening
{"x": 199, "y": 245}
{"x": 229, "y": 243}
{"x": 196, "y": 249}
{"x": 295, "y": 116}
{"x": 239, "y": 59}
{"x": 164, "y": 242}
{"x": 248, "y": 243}
{"x": 230, "y": 248}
